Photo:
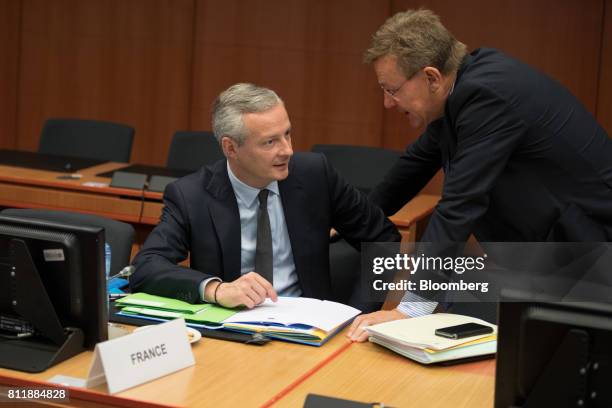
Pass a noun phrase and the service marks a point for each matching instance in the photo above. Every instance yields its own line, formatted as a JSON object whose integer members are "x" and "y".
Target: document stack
{"x": 415, "y": 338}
{"x": 299, "y": 320}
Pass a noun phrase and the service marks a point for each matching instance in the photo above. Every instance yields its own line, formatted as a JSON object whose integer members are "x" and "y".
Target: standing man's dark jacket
{"x": 523, "y": 160}
{"x": 201, "y": 219}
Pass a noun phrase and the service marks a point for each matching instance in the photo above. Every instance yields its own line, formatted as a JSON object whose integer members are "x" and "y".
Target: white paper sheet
{"x": 321, "y": 314}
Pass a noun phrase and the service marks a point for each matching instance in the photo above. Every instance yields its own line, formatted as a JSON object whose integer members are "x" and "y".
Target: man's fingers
{"x": 270, "y": 292}
{"x": 246, "y": 301}
{"x": 355, "y": 325}
{"x": 248, "y": 285}
{"x": 258, "y": 288}
{"x": 258, "y": 284}
{"x": 362, "y": 337}
{"x": 241, "y": 292}
{"x": 357, "y": 332}
{"x": 253, "y": 295}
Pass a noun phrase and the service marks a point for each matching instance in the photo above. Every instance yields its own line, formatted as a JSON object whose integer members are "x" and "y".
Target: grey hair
{"x": 234, "y": 102}
{"x": 418, "y": 39}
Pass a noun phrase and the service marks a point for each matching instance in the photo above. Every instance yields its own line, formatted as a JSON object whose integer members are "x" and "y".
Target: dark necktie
{"x": 263, "y": 252}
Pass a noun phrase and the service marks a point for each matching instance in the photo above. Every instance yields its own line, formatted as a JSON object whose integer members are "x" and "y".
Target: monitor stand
{"x": 565, "y": 377}
{"x": 36, "y": 354}
{"x": 51, "y": 342}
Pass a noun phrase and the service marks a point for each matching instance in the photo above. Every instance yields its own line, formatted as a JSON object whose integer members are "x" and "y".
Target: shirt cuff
{"x": 414, "y": 305}
{"x": 202, "y": 287}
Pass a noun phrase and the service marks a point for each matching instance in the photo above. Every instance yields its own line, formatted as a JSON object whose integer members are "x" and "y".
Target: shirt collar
{"x": 452, "y": 87}
{"x": 246, "y": 193}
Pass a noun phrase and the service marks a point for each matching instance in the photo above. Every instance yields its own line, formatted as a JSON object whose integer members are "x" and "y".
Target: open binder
{"x": 299, "y": 320}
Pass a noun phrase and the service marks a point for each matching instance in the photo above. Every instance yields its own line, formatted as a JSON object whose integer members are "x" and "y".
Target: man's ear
{"x": 229, "y": 146}
{"x": 434, "y": 78}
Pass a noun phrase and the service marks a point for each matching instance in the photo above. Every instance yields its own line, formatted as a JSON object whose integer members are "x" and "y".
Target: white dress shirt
{"x": 285, "y": 277}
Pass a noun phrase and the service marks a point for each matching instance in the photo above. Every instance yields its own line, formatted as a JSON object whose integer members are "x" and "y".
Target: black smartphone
{"x": 463, "y": 330}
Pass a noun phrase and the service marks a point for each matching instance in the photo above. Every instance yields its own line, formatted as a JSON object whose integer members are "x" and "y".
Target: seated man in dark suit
{"x": 258, "y": 223}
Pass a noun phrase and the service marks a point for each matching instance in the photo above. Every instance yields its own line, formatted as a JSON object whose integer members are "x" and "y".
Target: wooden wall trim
{"x": 604, "y": 95}
{"x": 10, "y": 39}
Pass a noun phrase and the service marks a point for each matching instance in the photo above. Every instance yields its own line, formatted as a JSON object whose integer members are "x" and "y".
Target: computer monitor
{"x": 52, "y": 291}
{"x": 553, "y": 354}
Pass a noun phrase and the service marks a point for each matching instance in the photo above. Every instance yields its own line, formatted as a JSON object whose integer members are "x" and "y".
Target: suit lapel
{"x": 226, "y": 219}
{"x": 295, "y": 208}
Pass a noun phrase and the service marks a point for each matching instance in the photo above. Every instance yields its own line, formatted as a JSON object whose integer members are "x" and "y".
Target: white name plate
{"x": 140, "y": 357}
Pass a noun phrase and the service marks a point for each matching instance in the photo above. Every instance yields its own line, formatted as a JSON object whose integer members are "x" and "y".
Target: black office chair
{"x": 192, "y": 150}
{"x": 119, "y": 235}
{"x": 362, "y": 166}
{"x": 486, "y": 311}
{"x": 89, "y": 139}
{"x": 346, "y": 279}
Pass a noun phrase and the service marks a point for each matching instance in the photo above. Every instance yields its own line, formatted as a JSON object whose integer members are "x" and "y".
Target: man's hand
{"x": 334, "y": 236}
{"x": 356, "y": 331}
{"x": 249, "y": 290}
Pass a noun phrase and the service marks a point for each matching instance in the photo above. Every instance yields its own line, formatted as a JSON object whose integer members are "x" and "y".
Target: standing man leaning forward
{"x": 523, "y": 160}
{"x": 258, "y": 223}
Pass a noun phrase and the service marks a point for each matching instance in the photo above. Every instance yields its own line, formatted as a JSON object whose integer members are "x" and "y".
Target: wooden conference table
{"x": 232, "y": 374}
{"x": 33, "y": 188}
{"x": 90, "y": 194}
{"x": 229, "y": 374}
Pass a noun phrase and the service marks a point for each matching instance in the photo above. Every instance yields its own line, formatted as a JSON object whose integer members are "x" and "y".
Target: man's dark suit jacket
{"x": 201, "y": 218}
{"x": 523, "y": 160}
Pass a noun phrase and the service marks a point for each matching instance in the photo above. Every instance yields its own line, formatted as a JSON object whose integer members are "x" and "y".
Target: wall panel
{"x": 307, "y": 51}
{"x": 604, "y": 101}
{"x": 158, "y": 64}
{"x": 124, "y": 61}
{"x": 10, "y": 20}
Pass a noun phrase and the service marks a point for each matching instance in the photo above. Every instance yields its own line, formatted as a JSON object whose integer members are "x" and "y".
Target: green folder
{"x": 168, "y": 308}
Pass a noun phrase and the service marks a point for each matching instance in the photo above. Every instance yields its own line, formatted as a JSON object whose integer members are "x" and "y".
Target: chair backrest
{"x": 347, "y": 284}
{"x": 482, "y": 310}
{"x": 119, "y": 235}
{"x": 362, "y": 166}
{"x": 344, "y": 267}
{"x": 192, "y": 150}
{"x": 90, "y": 139}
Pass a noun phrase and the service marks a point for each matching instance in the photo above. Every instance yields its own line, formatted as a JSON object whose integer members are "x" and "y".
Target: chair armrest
{"x": 412, "y": 218}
